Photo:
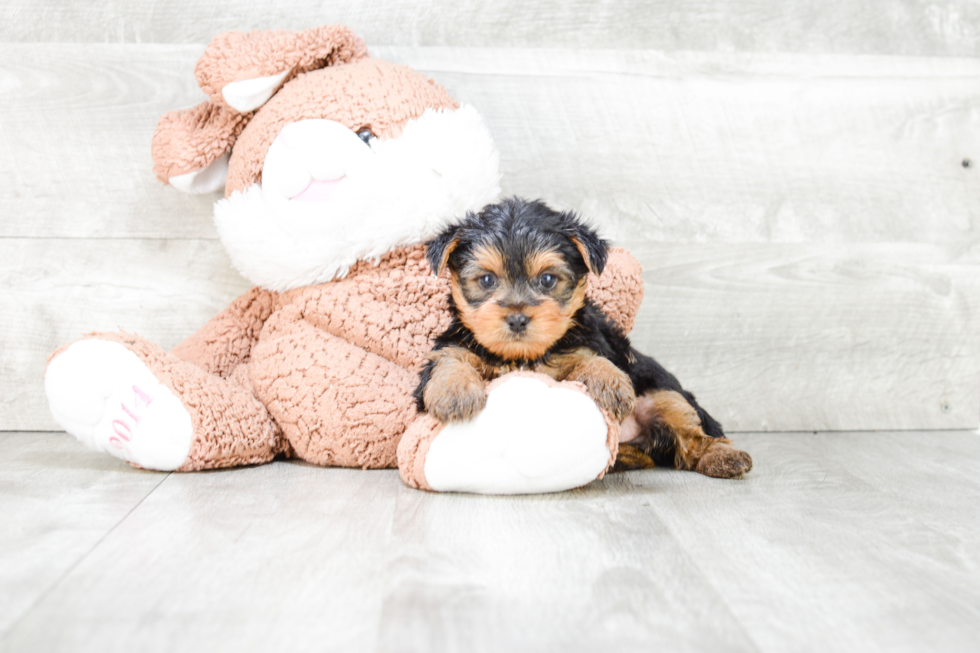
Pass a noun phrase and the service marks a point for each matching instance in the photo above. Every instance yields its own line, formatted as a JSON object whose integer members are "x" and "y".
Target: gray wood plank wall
{"x": 791, "y": 175}
{"x": 938, "y": 28}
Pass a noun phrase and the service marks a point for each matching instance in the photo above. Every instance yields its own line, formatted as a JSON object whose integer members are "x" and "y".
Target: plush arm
{"x": 534, "y": 435}
{"x": 619, "y": 291}
{"x": 226, "y": 341}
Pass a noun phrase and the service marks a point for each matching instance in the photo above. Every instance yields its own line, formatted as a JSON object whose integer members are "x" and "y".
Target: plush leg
{"x": 121, "y": 394}
{"x": 534, "y": 435}
{"x": 225, "y": 342}
{"x": 665, "y": 427}
{"x": 337, "y": 404}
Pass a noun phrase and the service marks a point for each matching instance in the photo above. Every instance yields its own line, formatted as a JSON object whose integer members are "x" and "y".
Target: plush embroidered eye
{"x": 365, "y": 135}
{"x": 487, "y": 281}
{"x": 548, "y": 281}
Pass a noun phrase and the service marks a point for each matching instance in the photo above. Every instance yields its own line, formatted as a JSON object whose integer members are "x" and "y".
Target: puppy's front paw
{"x": 454, "y": 403}
{"x": 608, "y": 385}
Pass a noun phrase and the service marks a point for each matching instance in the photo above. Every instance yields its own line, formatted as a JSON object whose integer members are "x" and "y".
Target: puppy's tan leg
{"x": 629, "y": 457}
{"x": 669, "y": 421}
{"x": 455, "y": 391}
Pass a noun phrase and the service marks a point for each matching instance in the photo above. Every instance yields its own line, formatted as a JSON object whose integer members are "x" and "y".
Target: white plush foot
{"x": 105, "y": 396}
{"x": 529, "y": 438}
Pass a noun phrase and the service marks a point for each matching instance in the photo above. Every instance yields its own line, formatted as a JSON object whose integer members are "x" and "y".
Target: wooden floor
{"x": 836, "y": 542}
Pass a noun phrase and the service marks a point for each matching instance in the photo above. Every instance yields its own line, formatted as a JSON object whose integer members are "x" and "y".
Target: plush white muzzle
{"x": 328, "y": 199}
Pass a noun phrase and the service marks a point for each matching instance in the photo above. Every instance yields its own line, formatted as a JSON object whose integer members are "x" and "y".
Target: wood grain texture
{"x": 56, "y": 290}
{"x": 817, "y": 337}
{"x": 75, "y": 128}
{"x": 900, "y": 576}
{"x": 846, "y": 541}
{"x": 58, "y": 501}
{"x": 725, "y": 148}
{"x": 943, "y": 28}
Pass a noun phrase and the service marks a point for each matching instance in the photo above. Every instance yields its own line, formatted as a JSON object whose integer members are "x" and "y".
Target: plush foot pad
{"x": 723, "y": 461}
{"x": 532, "y": 436}
{"x": 105, "y": 396}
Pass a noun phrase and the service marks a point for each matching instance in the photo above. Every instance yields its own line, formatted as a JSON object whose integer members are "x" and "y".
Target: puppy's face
{"x": 517, "y": 305}
{"x": 519, "y": 274}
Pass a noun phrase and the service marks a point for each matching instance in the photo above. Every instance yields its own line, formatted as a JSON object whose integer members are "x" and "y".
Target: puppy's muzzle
{"x": 517, "y": 322}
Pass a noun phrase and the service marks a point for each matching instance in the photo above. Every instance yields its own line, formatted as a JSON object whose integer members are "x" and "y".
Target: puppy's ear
{"x": 593, "y": 249}
{"x": 439, "y": 249}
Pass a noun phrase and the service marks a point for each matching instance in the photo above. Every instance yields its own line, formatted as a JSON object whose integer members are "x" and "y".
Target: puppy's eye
{"x": 548, "y": 281}
{"x": 365, "y": 135}
{"x": 487, "y": 281}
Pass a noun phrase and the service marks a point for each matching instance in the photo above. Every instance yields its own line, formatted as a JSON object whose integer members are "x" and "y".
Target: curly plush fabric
{"x": 191, "y": 139}
{"x": 413, "y": 449}
{"x": 620, "y": 288}
{"x": 236, "y": 56}
{"x": 230, "y": 335}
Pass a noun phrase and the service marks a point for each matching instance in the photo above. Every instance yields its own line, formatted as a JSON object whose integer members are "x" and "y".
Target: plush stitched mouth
{"x": 318, "y": 190}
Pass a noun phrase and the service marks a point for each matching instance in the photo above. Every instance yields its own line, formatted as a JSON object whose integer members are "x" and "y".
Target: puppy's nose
{"x": 517, "y": 322}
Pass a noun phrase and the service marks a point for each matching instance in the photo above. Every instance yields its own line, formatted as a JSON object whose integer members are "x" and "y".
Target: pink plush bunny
{"x": 336, "y": 168}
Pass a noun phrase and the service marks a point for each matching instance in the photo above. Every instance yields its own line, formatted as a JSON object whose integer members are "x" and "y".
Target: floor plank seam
{"x": 701, "y": 573}
{"x": 40, "y": 599}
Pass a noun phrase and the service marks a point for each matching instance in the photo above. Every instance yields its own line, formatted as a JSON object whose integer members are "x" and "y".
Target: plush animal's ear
{"x": 439, "y": 249}
{"x": 190, "y": 147}
{"x": 594, "y": 250}
{"x": 242, "y": 70}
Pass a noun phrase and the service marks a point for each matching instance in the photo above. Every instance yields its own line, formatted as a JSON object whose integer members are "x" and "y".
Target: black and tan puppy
{"x": 519, "y": 273}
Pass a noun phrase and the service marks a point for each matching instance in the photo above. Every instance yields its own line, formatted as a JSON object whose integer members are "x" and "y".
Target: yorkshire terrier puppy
{"x": 519, "y": 272}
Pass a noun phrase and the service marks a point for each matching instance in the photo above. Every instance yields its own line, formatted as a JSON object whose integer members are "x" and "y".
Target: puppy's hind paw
{"x": 722, "y": 461}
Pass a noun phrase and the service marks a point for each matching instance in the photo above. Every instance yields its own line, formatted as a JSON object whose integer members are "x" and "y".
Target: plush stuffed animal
{"x": 337, "y": 167}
